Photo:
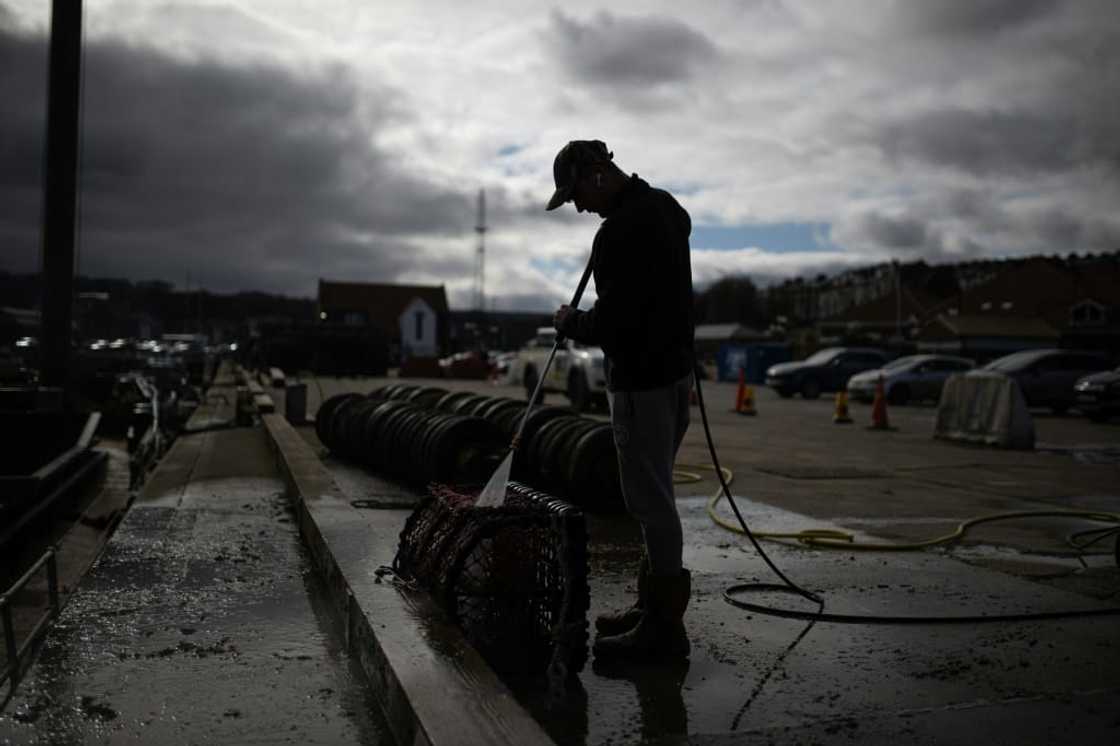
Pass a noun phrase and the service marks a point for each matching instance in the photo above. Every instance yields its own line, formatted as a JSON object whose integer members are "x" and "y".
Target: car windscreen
{"x": 821, "y": 357}
{"x": 901, "y": 362}
{"x": 1011, "y": 362}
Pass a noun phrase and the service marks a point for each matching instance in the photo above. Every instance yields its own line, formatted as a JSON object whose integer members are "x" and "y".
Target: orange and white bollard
{"x": 879, "y": 419}
{"x": 746, "y": 406}
{"x": 841, "y": 415}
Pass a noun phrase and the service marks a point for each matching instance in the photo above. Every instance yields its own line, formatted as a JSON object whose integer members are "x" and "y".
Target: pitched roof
{"x": 383, "y": 303}
{"x": 1017, "y": 327}
{"x": 1035, "y": 288}
{"x": 726, "y": 331}
{"x": 884, "y": 310}
{"x": 1099, "y": 280}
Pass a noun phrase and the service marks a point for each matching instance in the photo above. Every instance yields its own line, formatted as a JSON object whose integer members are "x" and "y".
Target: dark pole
{"x": 60, "y": 189}
{"x": 898, "y": 300}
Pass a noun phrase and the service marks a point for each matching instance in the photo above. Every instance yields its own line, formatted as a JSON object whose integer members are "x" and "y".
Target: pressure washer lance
{"x": 494, "y": 494}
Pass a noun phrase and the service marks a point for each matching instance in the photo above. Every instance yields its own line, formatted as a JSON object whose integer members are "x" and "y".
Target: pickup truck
{"x": 577, "y": 370}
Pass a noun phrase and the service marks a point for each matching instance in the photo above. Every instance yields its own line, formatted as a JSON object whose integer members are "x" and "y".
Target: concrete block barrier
{"x": 984, "y": 407}
{"x": 264, "y": 403}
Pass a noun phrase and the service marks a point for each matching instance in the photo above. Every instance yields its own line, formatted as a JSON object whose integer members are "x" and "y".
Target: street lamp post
{"x": 60, "y": 190}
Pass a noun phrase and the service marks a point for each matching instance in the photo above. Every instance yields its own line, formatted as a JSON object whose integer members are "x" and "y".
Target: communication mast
{"x": 480, "y": 261}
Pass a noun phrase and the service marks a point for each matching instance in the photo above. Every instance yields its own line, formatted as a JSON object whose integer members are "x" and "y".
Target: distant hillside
{"x": 111, "y": 306}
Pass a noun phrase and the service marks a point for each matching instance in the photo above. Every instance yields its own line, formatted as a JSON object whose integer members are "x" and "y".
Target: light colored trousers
{"x": 648, "y": 429}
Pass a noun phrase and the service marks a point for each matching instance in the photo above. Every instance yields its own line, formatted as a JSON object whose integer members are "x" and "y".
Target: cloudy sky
{"x": 263, "y": 144}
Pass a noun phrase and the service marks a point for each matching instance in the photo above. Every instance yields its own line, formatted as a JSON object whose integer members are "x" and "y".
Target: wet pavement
{"x": 1023, "y": 682}
{"x": 202, "y": 621}
{"x": 848, "y": 680}
{"x": 79, "y": 531}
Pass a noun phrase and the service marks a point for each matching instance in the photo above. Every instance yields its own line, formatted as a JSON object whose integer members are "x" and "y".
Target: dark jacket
{"x": 643, "y": 318}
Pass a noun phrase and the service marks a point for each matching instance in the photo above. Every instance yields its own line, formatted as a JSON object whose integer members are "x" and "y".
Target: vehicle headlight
{"x": 1092, "y": 387}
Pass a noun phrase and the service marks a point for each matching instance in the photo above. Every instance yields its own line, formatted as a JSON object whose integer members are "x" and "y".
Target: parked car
{"x": 577, "y": 370}
{"x": 469, "y": 365}
{"x": 826, "y": 370}
{"x": 909, "y": 378}
{"x": 1047, "y": 377}
{"x": 503, "y": 367}
{"x": 14, "y": 372}
{"x": 1098, "y": 395}
{"x": 132, "y": 407}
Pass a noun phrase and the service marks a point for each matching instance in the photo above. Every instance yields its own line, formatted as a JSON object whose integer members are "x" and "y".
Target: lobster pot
{"x": 513, "y": 578}
{"x": 410, "y": 442}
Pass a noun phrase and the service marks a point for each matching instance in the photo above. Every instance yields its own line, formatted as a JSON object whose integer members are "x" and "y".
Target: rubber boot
{"x": 660, "y": 633}
{"x": 617, "y": 622}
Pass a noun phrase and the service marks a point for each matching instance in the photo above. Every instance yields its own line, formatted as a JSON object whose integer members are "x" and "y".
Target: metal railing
{"x": 13, "y": 669}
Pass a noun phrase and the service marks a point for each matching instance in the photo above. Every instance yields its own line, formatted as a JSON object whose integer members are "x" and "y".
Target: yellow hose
{"x": 836, "y": 539}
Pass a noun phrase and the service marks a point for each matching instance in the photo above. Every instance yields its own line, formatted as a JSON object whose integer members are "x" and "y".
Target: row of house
{"x": 978, "y": 309}
{"x": 994, "y": 309}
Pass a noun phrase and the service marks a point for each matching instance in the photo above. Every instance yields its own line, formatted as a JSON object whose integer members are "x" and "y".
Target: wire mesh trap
{"x": 513, "y": 578}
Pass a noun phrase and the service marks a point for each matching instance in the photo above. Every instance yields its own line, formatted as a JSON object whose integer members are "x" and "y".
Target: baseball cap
{"x": 565, "y": 169}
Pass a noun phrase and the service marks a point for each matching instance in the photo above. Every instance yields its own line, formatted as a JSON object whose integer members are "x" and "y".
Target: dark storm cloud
{"x": 903, "y": 232}
{"x": 610, "y": 50}
{"x": 242, "y": 177}
{"x": 968, "y": 224}
{"x": 23, "y": 75}
{"x": 973, "y": 17}
{"x": 971, "y": 204}
{"x": 910, "y": 234}
{"x": 985, "y": 142}
{"x": 1049, "y": 70}
{"x": 1066, "y": 232}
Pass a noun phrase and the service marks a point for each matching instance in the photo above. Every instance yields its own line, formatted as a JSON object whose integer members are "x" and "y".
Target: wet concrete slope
{"x": 201, "y": 622}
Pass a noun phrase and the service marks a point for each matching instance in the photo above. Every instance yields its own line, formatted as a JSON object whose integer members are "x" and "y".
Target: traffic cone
{"x": 841, "y": 416}
{"x": 879, "y": 408}
{"x": 747, "y": 405}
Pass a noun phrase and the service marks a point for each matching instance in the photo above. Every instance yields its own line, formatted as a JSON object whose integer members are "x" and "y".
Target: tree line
{"x": 733, "y": 299}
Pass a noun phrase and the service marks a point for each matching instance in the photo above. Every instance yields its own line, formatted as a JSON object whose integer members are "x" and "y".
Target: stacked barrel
{"x": 422, "y": 434}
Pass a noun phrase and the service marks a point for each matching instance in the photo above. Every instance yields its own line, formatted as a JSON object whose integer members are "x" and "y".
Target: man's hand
{"x": 561, "y": 317}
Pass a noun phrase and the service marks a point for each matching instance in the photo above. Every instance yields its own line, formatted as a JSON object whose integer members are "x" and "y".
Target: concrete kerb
{"x": 433, "y": 687}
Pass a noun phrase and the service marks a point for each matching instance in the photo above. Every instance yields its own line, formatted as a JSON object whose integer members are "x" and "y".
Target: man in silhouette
{"x": 643, "y": 320}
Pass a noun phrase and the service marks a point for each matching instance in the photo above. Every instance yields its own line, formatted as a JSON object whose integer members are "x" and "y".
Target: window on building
{"x": 419, "y": 315}
{"x": 1087, "y": 313}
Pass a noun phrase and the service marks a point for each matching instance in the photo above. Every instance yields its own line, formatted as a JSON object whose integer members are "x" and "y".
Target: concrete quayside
{"x": 239, "y": 599}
